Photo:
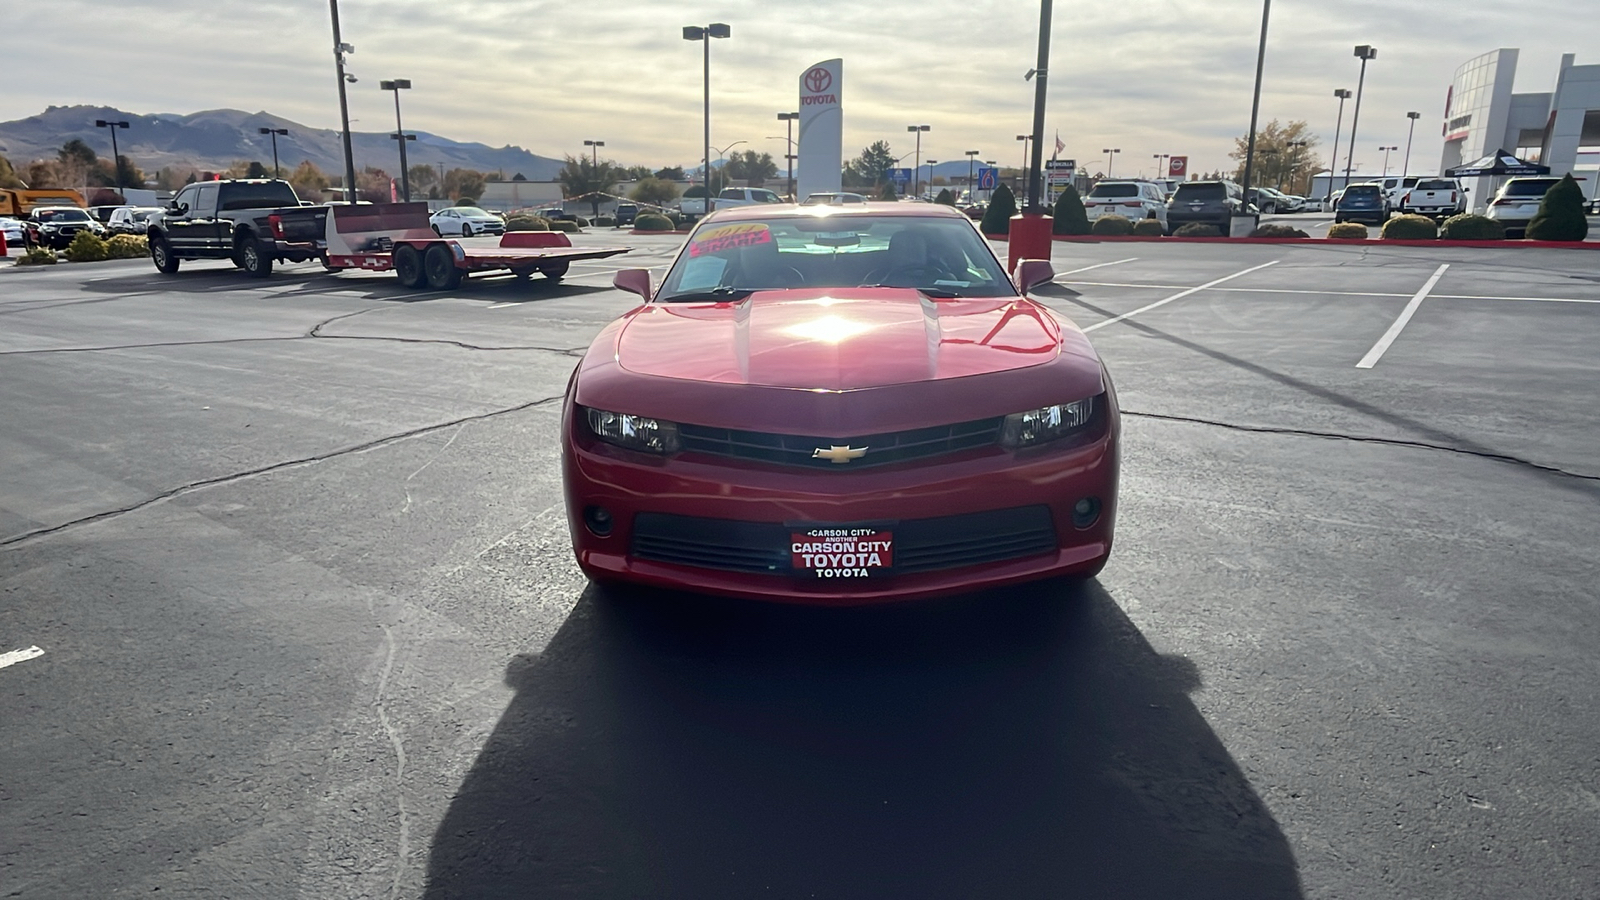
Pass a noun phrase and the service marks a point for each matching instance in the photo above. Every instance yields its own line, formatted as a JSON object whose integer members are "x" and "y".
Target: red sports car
{"x": 839, "y": 405}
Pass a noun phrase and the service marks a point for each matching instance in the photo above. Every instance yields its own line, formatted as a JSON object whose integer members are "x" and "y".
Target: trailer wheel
{"x": 440, "y": 265}
{"x": 408, "y": 266}
{"x": 556, "y": 271}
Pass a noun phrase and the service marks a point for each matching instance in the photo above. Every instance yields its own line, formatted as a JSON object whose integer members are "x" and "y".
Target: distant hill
{"x": 216, "y": 138}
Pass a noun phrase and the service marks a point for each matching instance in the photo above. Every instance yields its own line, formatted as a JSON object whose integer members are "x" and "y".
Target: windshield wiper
{"x": 717, "y": 294}
{"x": 935, "y": 293}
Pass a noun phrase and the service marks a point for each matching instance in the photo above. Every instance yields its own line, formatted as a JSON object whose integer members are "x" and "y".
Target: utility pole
{"x": 340, "y": 48}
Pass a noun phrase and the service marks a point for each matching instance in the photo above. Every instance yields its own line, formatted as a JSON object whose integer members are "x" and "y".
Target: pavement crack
{"x": 203, "y": 483}
{"x": 403, "y": 848}
{"x": 1365, "y": 439}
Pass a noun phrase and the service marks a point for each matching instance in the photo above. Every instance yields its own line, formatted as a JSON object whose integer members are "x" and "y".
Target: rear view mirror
{"x": 1033, "y": 272}
{"x": 634, "y": 281}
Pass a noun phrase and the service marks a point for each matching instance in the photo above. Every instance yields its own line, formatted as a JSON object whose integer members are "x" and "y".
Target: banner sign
{"x": 900, "y": 177}
{"x": 821, "y": 139}
{"x": 988, "y": 178}
{"x": 1060, "y": 171}
{"x": 1178, "y": 167}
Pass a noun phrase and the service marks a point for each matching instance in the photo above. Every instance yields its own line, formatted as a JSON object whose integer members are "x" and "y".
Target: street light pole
{"x": 931, "y": 163}
{"x": 116, "y": 158}
{"x": 340, "y": 48}
{"x": 1111, "y": 158}
{"x": 720, "y": 153}
{"x": 788, "y": 119}
{"x": 1386, "y": 157}
{"x": 274, "y": 132}
{"x": 1364, "y": 52}
{"x": 1255, "y": 105}
{"x": 594, "y": 153}
{"x": 704, "y": 36}
{"x": 398, "y": 85}
{"x": 917, "y": 159}
{"x": 1405, "y": 168}
{"x": 1333, "y": 164}
{"x": 971, "y": 155}
{"x": 1022, "y": 183}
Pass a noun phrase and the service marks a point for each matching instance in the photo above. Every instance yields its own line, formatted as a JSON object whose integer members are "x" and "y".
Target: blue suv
{"x": 1362, "y": 203}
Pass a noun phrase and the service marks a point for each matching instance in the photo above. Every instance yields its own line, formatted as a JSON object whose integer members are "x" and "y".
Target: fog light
{"x": 598, "y": 519}
{"x": 1085, "y": 512}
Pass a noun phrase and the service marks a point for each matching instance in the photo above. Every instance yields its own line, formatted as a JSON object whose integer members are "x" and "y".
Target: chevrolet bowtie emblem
{"x": 839, "y": 455}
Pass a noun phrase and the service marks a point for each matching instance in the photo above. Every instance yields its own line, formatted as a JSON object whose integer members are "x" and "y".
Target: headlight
{"x": 1037, "y": 426}
{"x": 634, "y": 432}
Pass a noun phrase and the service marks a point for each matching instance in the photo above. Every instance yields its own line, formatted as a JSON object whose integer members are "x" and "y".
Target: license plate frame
{"x": 831, "y": 552}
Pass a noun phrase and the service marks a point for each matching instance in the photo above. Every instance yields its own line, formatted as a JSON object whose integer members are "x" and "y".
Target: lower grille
{"x": 920, "y": 545}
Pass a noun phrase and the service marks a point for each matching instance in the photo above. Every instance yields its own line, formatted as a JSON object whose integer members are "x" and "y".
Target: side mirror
{"x": 1031, "y": 273}
{"x": 177, "y": 208}
{"x": 634, "y": 281}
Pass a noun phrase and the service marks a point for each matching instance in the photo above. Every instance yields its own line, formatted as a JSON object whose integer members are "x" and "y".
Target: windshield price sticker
{"x": 730, "y": 237}
{"x": 842, "y": 552}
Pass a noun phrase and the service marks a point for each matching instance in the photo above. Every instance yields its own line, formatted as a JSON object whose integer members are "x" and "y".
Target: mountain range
{"x": 217, "y": 138}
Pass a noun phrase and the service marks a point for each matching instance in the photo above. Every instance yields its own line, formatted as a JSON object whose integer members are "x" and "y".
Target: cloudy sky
{"x": 1148, "y": 76}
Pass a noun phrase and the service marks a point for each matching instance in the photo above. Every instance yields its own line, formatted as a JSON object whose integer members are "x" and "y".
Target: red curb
{"x": 1172, "y": 239}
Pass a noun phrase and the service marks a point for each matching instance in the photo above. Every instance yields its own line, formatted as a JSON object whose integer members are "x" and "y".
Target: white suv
{"x": 1130, "y": 199}
{"x": 1518, "y": 201}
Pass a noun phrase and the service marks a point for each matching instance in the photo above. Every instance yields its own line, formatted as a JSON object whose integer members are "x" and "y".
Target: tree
{"x": 373, "y": 185}
{"x": 945, "y": 198}
{"x": 422, "y": 177}
{"x": 671, "y": 173}
{"x": 45, "y": 173}
{"x": 887, "y": 192}
{"x": 1277, "y": 163}
{"x": 1002, "y": 206}
{"x": 637, "y": 173}
{"x": 460, "y": 183}
{"x": 654, "y": 191}
{"x": 871, "y": 167}
{"x": 1560, "y": 216}
{"x": 519, "y": 177}
{"x": 751, "y": 167}
{"x": 587, "y": 179}
{"x": 128, "y": 174}
{"x": 1070, "y": 216}
{"x": 308, "y": 182}
{"x": 8, "y": 175}
{"x": 256, "y": 170}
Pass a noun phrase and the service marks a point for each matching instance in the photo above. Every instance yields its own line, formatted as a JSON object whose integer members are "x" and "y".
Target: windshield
{"x": 943, "y": 257}
{"x": 1534, "y": 187}
{"x": 1115, "y": 190}
{"x": 1200, "y": 191}
{"x": 60, "y": 215}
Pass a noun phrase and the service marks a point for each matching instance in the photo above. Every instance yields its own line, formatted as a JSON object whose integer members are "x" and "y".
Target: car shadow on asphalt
{"x": 1020, "y": 743}
{"x": 496, "y": 287}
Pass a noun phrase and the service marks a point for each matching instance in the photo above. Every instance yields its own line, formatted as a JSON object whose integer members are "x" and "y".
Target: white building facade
{"x": 1559, "y": 129}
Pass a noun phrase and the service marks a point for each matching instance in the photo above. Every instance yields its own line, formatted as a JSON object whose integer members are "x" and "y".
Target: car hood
{"x": 813, "y": 340}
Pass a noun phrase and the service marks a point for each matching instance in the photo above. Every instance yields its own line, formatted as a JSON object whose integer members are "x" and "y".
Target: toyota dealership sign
{"x": 821, "y": 143}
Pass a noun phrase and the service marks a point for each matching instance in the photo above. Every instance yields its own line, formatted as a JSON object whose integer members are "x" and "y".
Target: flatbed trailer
{"x": 396, "y": 236}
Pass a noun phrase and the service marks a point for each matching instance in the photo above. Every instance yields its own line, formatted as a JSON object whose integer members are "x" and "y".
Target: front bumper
{"x": 743, "y": 505}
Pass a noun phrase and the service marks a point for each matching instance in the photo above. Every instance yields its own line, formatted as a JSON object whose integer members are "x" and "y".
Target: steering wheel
{"x": 911, "y": 275}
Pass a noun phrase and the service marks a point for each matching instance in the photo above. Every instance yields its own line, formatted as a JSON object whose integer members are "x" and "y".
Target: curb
{"x": 1172, "y": 239}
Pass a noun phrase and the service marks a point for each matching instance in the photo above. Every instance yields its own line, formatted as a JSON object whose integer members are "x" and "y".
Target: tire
{"x": 161, "y": 255}
{"x": 440, "y": 265}
{"x": 523, "y": 274}
{"x": 466, "y": 230}
{"x": 252, "y": 260}
{"x": 408, "y": 267}
{"x": 556, "y": 271}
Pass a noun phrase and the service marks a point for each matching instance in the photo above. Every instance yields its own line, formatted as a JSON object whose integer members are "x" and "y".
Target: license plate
{"x": 841, "y": 552}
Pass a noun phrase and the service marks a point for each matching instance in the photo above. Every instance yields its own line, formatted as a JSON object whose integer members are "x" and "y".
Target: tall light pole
{"x": 1405, "y": 168}
{"x": 116, "y": 158}
{"x": 788, "y": 119}
{"x": 594, "y": 152}
{"x": 1343, "y": 94}
{"x": 1255, "y": 104}
{"x": 1364, "y": 52}
{"x": 274, "y": 132}
{"x": 1111, "y": 158}
{"x": 398, "y": 85}
{"x": 1022, "y": 182}
{"x": 931, "y": 163}
{"x": 1295, "y": 147}
{"x": 720, "y": 154}
{"x": 917, "y": 159}
{"x": 971, "y": 156}
{"x": 704, "y": 36}
{"x": 1386, "y": 156}
{"x": 340, "y": 48}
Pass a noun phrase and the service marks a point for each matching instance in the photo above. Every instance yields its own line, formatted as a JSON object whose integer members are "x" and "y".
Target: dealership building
{"x": 1559, "y": 128}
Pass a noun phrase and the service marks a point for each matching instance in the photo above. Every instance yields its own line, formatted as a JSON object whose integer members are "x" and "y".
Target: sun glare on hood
{"x": 829, "y": 329}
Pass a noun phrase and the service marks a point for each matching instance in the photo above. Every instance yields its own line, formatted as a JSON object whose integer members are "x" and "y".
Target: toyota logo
{"x": 818, "y": 80}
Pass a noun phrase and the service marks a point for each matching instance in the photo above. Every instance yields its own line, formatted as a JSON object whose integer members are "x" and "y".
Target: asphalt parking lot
{"x": 294, "y": 554}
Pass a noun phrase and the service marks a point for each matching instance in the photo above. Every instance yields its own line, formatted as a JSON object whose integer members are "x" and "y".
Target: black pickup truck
{"x": 254, "y": 222}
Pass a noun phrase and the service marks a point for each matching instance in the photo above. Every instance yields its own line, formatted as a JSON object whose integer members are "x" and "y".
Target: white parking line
{"x": 16, "y": 656}
{"x": 1240, "y": 290}
{"x": 1178, "y": 296}
{"x": 1098, "y": 266}
{"x": 1377, "y": 351}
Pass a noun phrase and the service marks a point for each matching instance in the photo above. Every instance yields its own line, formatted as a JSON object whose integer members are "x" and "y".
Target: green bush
{"x": 1560, "y": 216}
{"x": 566, "y": 225}
{"x": 1410, "y": 228}
{"x": 652, "y": 222}
{"x": 38, "y": 256}
{"x": 86, "y": 246}
{"x": 945, "y": 198}
{"x": 1149, "y": 228}
{"x": 1468, "y": 227}
{"x": 1278, "y": 231}
{"x": 605, "y": 222}
{"x": 1348, "y": 231}
{"x": 527, "y": 223}
{"x": 1112, "y": 225}
{"x": 997, "y": 217}
{"x": 1198, "y": 229}
{"x": 128, "y": 246}
{"x": 1070, "y": 217}
{"x": 887, "y": 192}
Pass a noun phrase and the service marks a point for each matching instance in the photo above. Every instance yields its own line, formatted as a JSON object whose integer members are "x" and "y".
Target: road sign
{"x": 1178, "y": 167}
{"x": 1060, "y": 171}
{"x": 988, "y": 178}
{"x": 900, "y": 177}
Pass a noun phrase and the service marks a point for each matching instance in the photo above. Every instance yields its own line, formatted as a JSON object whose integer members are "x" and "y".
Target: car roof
{"x": 908, "y": 210}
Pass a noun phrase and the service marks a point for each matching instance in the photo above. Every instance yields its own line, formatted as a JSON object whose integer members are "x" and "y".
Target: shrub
{"x": 887, "y": 192}
{"x": 652, "y": 222}
{"x": 1278, "y": 231}
{"x": 566, "y": 225}
{"x": 127, "y": 246}
{"x": 527, "y": 223}
{"x": 1070, "y": 217}
{"x": 1112, "y": 225}
{"x": 997, "y": 217}
{"x": 1560, "y": 216}
{"x": 945, "y": 198}
{"x": 86, "y": 246}
{"x": 1198, "y": 229}
{"x": 1149, "y": 228}
{"x": 605, "y": 222}
{"x": 38, "y": 256}
{"x": 1348, "y": 231}
{"x": 467, "y": 201}
{"x": 1410, "y": 228}
{"x": 1468, "y": 227}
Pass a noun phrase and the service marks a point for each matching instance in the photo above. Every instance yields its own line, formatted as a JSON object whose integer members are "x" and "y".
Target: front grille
{"x": 920, "y": 545}
{"x": 798, "y": 450}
